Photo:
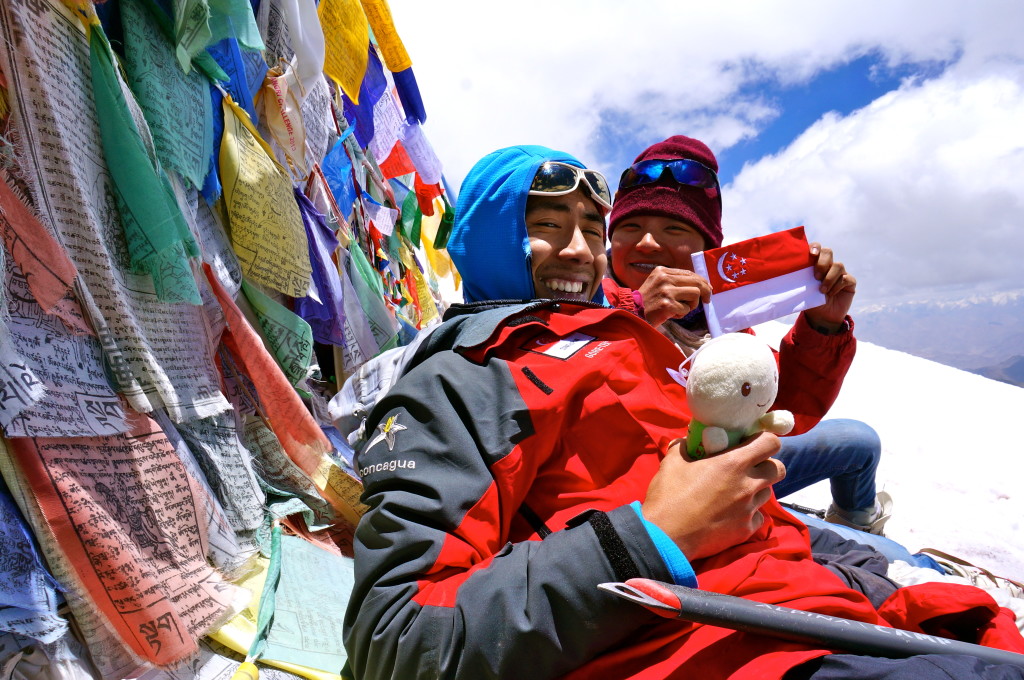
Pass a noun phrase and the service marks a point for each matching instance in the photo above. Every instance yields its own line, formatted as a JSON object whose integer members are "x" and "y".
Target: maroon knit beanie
{"x": 665, "y": 198}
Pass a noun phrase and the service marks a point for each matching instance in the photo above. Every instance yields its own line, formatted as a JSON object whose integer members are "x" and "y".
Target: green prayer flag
{"x": 314, "y": 581}
{"x": 444, "y": 230}
{"x": 288, "y": 335}
{"x": 177, "y": 106}
{"x": 158, "y": 238}
{"x": 204, "y": 61}
{"x": 234, "y": 19}
{"x": 191, "y": 30}
{"x": 394, "y": 246}
{"x": 265, "y": 614}
{"x": 370, "y": 291}
{"x": 409, "y": 206}
{"x": 417, "y": 222}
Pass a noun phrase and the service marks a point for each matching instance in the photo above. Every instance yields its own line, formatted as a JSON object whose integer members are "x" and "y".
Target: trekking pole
{"x": 813, "y": 512}
{"x": 728, "y": 611}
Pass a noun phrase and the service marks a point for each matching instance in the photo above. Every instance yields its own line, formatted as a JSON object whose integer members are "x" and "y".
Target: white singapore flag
{"x": 758, "y": 280}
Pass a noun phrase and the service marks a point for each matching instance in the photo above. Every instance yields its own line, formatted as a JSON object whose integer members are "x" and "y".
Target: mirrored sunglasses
{"x": 685, "y": 171}
{"x": 554, "y": 178}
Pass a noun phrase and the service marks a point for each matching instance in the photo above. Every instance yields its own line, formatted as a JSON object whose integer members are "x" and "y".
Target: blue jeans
{"x": 891, "y": 549}
{"x": 845, "y": 452}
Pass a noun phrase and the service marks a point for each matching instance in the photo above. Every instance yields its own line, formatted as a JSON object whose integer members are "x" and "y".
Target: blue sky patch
{"x": 843, "y": 89}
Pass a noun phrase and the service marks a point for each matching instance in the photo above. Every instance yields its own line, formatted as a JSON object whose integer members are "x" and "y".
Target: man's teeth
{"x": 644, "y": 265}
{"x": 566, "y": 286}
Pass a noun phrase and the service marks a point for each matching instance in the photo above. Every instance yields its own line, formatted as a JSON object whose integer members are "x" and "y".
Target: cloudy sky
{"x": 893, "y": 131}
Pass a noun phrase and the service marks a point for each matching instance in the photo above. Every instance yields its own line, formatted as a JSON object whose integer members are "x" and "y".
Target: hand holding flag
{"x": 839, "y": 287}
{"x": 766, "y": 278}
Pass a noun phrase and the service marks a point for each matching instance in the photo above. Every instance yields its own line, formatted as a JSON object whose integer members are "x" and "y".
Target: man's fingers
{"x": 824, "y": 262}
{"x": 772, "y": 470}
{"x": 762, "y": 497}
{"x": 755, "y": 450}
{"x": 842, "y": 281}
{"x": 676, "y": 453}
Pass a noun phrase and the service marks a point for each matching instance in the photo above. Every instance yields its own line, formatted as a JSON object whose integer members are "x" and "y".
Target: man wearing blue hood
{"x": 529, "y": 452}
{"x": 511, "y": 243}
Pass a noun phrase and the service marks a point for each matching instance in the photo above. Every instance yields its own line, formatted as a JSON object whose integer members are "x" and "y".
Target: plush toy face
{"x": 733, "y": 381}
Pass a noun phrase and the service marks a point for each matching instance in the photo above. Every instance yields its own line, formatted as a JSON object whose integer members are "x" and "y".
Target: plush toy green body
{"x": 732, "y": 382}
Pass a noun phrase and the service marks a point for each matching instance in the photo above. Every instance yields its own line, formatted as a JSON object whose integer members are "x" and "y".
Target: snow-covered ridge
{"x": 996, "y": 299}
{"x": 952, "y": 453}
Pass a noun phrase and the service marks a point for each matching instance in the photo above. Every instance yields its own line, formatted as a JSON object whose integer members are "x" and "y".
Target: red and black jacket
{"x": 477, "y": 557}
{"x": 507, "y": 421}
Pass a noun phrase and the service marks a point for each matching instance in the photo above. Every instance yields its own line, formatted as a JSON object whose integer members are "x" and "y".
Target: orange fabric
{"x": 300, "y": 436}
{"x": 49, "y": 272}
{"x": 131, "y": 524}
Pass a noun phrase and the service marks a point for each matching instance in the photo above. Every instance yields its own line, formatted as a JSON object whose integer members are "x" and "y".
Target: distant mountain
{"x": 1010, "y": 371}
{"x": 983, "y": 335}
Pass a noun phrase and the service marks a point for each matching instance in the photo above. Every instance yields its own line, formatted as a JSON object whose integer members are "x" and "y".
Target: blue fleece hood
{"x": 489, "y": 244}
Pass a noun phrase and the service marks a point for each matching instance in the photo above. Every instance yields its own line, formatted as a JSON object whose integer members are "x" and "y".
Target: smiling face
{"x": 567, "y": 245}
{"x": 639, "y": 244}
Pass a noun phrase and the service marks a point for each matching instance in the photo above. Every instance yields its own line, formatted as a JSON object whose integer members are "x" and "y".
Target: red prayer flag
{"x": 425, "y": 195}
{"x": 397, "y": 163}
{"x": 758, "y": 280}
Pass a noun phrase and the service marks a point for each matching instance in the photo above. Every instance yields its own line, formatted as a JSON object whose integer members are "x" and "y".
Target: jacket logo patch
{"x": 559, "y": 348}
{"x": 386, "y": 432}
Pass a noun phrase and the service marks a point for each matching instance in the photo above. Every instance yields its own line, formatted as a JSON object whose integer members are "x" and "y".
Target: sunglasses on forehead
{"x": 554, "y": 178}
{"x": 685, "y": 171}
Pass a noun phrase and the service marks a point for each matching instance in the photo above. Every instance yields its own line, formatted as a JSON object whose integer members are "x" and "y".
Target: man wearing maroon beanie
{"x": 700, "y": 207}
{"x": 668, "y": 206}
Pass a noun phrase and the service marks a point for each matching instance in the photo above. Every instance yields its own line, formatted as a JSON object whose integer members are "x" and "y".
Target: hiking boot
{"x": 870, "y": 521}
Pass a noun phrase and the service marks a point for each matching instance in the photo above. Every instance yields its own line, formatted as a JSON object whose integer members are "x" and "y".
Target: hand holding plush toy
{"x": 732, "y": 382}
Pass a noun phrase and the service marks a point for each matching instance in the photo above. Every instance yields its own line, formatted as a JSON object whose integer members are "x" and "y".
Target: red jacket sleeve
{"x": 812, "y": 366}
{"x": 623, "y": 298}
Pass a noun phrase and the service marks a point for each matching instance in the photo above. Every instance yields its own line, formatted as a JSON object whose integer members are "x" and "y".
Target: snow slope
{"x": 952, "y": 453}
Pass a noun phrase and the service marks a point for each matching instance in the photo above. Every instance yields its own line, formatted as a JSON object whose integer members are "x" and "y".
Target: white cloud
{"x": 924, "y": 188}
{"x": 927, "y": 178}
{"x": 502, "y": 73}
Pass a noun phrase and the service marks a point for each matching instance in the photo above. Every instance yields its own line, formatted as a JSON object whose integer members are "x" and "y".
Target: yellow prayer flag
{"x": 440, "y": 261}
{"x": 428, "y": 310}
{"x": 378, "y": 13}
{"x": 264, "y": 222}
{"x": 405, "y": 255}
{"x": 348, "y": 40}
{"x": 83, "y": 6}
{"x": 341, "y": 490}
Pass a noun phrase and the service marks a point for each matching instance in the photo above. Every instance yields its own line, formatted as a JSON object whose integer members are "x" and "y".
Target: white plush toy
{"x": 732, "y": 381}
